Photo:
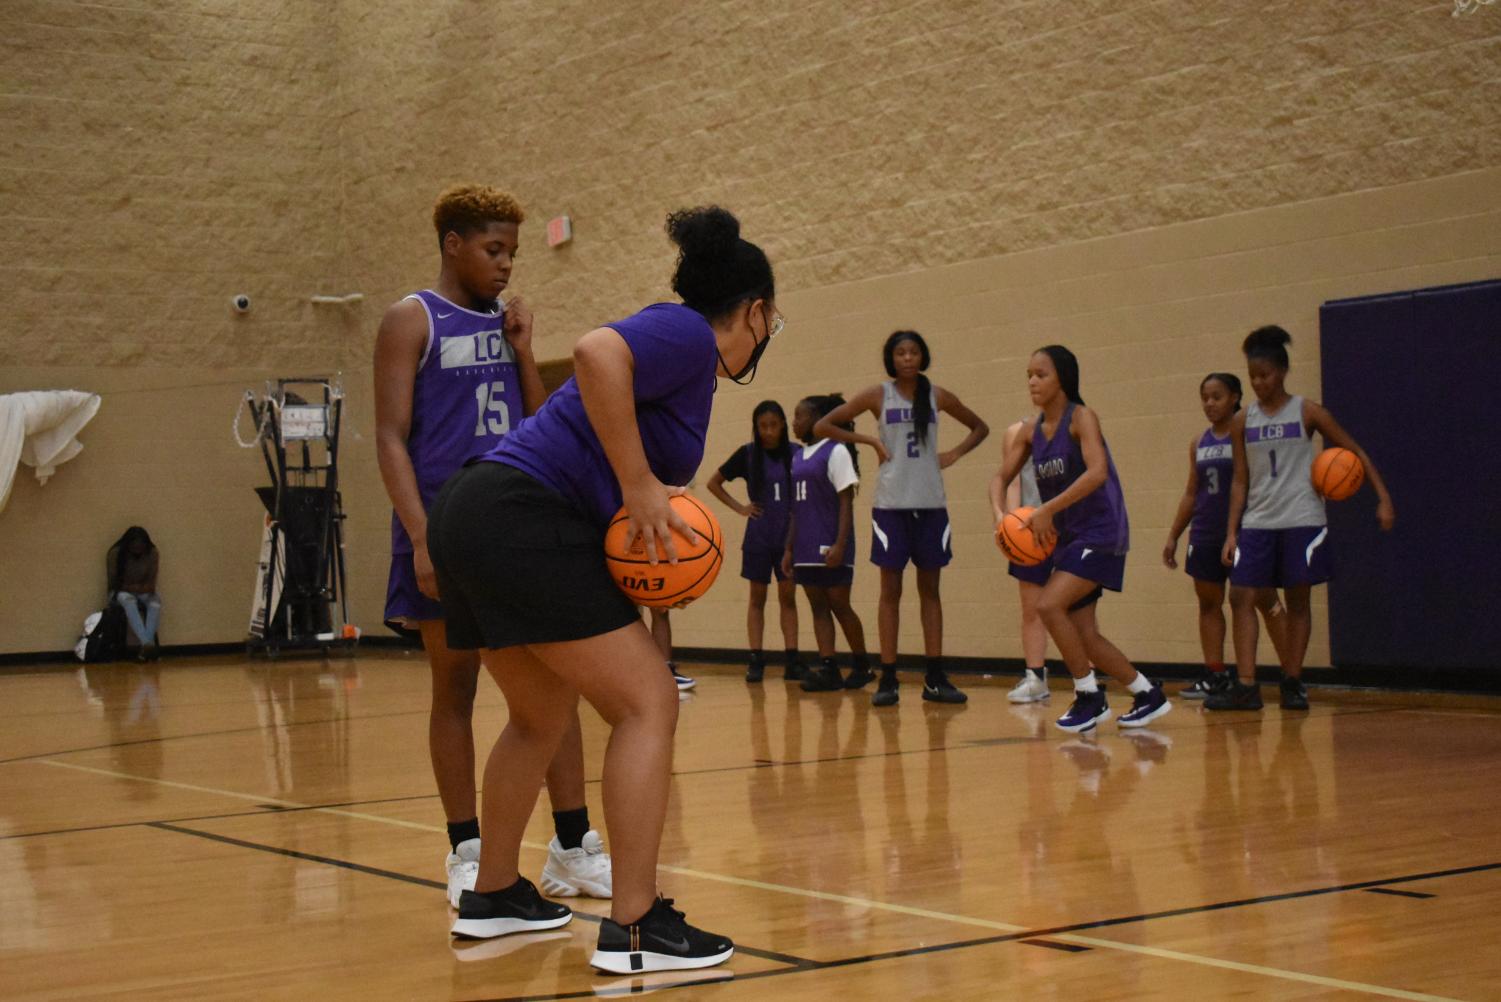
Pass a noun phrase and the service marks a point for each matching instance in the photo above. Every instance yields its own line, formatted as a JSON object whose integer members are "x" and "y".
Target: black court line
{"x": 782, "y": 958}
{"x": 263, "y": 810}
{"x": 1400, "y": 894}
{"x": 295, "y": 854}
{"x": 1013, "y": 937}
{"x": 211, "y": 734}
{"x": 795, "y": 965}
{"x": 1065, "y": 947}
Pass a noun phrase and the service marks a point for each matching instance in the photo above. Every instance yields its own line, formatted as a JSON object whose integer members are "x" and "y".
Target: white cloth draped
{"x": 41, "y": 430}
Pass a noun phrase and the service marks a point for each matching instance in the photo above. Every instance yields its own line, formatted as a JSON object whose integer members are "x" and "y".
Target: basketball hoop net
{"x": 1469, "y": 6}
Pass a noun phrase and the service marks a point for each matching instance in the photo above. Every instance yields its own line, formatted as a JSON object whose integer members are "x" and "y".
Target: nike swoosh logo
{"x": 681, "y": 946}
{"x": 444, "y": 316}
{"x": 1086, "y": 553}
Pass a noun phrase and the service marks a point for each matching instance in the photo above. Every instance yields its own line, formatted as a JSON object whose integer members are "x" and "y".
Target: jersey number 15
{"x": 494, "y": 416}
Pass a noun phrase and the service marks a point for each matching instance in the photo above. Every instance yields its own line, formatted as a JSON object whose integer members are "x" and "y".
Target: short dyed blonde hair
{"x": 465, "y": 208}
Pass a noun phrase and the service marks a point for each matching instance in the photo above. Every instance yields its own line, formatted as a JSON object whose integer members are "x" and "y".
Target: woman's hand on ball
{"x": 1041, "y": 524}
{"x": 653, "y": 520}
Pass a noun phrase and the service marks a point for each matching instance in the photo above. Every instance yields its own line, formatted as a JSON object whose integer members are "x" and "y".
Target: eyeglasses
{"x": 777, "y": 325}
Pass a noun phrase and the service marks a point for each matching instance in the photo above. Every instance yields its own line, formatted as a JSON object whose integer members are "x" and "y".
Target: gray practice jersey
{"x": 910, "y": 478}
{"x": 1279, "y": 455}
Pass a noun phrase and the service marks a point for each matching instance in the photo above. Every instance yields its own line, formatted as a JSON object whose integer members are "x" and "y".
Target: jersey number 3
{"x": 494, "y": 416}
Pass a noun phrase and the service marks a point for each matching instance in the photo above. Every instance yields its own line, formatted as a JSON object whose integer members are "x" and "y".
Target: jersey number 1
{"x": 494, "y": 416}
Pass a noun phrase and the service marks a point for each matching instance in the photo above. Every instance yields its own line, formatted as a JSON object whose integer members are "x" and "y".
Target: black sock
{"x": 861, "y": 662}
{"x": 462, "y": 831}
{"x": 829, "y": 664}
{"x": 888, "y": 672}
{"x": 791, "y": 656}
{"x": 571, "y": 826}
{"x": 757, "y": 658}
{"x": 935, "y": 671}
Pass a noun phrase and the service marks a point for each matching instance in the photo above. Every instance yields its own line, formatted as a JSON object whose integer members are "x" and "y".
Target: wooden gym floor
{"x": 217, "y": 828}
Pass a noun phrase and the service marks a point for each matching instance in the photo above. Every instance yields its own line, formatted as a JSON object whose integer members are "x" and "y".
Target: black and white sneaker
{"x": 660, "y": 941}
{"x": 757, "y": 670}
{"x": 518, "y": 908}
{"x": 886, "y": 694}
{"x": 1294, "y": 694}
{"x": 1207, "y": 684}
{"x": 937, "y": 688}
{"x": 860, "y": 677}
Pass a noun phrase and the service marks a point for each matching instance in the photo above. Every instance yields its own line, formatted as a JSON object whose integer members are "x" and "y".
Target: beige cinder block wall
{"x": 159, "y": 159}
{"x": 1140, "y": 180}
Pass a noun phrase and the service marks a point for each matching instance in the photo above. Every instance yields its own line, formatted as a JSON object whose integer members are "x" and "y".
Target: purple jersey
{"x": 1214, "y": 467}
{"x": 769, "y": 531}
{"x": 819, "y": 472}
{"x": 675, "y": 358}
{"x": 465, "y": 397}
{"x": 1099, "y": 518}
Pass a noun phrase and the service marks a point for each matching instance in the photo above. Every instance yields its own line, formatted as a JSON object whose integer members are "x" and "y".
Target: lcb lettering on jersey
{"x": 482, "y": 348}
{"x": 903, "y": 415}
{"x": 1209, "y": 452}
{"x": 1275, "y": 432}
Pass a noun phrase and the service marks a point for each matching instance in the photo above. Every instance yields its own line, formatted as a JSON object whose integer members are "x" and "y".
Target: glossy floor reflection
{"x": 230, "y": 829}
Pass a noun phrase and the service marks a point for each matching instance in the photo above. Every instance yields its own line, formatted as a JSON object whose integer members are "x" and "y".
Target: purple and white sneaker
{"x": 1088, "y": 709}
{"x": 1148, "y": 706}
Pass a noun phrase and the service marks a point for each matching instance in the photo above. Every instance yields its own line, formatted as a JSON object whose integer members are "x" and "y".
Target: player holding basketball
{"x": 1277, "y": 533}
{"x": 453, "y": 372}
{"x": 820, "y": 550}
{"x": 1204, "y": 509}
{"x": 911, "y": 519}
{"x": 765, "y": 464}
{"x": 1083, "y": 519}
{"x": 517, "y": 544}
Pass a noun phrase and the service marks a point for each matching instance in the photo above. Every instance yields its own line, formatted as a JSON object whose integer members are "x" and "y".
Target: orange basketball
{"x": 667, "y": 586}
{"x": 1015, "y": 539}
{"x": 1337, "y": 474}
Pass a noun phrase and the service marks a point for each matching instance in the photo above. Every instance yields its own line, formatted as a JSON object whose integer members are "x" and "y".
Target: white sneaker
{"x": 462, "y": 866}
{"x": 571, "y": 872}
{"x": 1031, "y": 689}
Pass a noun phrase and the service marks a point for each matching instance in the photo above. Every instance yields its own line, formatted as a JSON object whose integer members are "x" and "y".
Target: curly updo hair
{"x": 1268, "y": 343}
{"x": 716, "y": 269}
{"x": 465, "y": 208}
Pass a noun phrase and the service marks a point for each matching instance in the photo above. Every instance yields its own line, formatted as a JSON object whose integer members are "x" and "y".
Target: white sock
{"x": 1139, "y": 684}
{"x": 1086, "y": 684}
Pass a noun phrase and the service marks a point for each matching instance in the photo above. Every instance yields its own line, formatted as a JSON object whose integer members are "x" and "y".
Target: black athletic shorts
{"x": 518, "y": 564}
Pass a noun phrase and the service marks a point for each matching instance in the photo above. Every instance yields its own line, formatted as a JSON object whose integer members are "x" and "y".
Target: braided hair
{"x": 922, "y": 400}
{"x": 757, "y": 453}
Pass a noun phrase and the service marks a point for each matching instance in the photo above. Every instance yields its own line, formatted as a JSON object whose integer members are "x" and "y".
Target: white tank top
{"x": 1279, "y": 455}
{"x": 910, "y": 478}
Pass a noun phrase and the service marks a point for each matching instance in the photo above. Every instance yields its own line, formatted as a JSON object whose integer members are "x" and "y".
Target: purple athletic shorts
{"x": 919, "y": 535}
{"x": 1282, "y": 558}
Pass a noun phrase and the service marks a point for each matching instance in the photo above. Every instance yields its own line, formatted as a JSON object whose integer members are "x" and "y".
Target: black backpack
{"x": 106, "y": 641}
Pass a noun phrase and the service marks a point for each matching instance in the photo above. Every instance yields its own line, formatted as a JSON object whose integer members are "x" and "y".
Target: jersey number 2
{"x": 494, "y": 416}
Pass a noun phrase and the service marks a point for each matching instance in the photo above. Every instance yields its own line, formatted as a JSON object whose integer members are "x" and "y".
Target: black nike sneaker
{"x": 518, "y": 908}
{"x": 660, "y": 941}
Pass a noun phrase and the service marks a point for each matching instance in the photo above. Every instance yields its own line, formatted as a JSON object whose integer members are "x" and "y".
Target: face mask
{"x": 749, "y": 369}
